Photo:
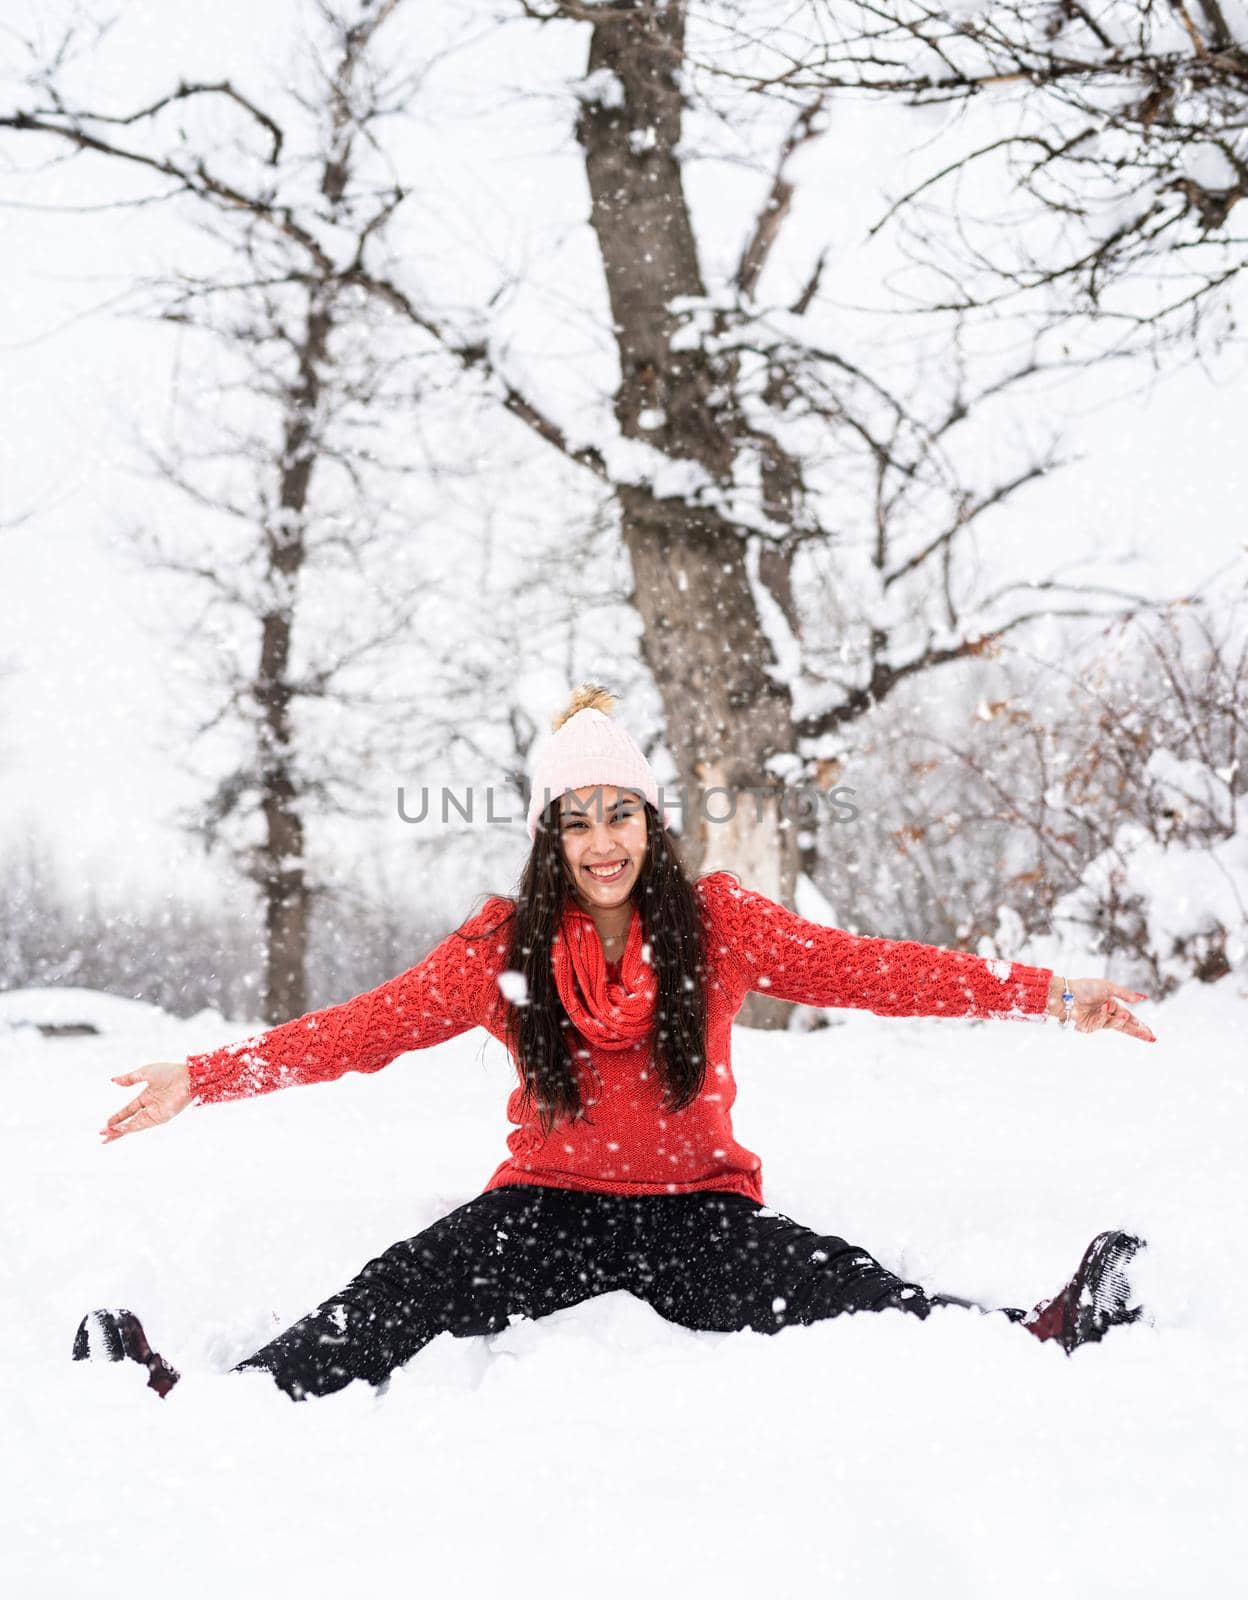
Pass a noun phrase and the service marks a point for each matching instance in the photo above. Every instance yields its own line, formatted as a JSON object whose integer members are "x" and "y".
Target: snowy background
{"x": 600, "y": 1450}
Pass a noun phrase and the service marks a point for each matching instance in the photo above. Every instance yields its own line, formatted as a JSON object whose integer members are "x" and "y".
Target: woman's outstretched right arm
{"x": 451, "y": 990}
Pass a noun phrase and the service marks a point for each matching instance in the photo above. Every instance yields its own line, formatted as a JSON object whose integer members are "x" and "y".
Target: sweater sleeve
{"x": 774, "y": 951}
{"x": 451, "y": 990}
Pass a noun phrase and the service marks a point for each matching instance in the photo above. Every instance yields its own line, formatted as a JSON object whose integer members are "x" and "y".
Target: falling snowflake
{"x": 514, "y": 986}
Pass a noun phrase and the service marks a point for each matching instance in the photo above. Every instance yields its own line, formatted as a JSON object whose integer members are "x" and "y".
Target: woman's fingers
{"x": 116, "y": 1129}
{"x": 1122, "y": 1019}
{"x": 1130, "y": 1023}
{"x": 112, "y": 1128}
{"x": 116, "y": 1126}
{"x": 138, "y": 1114}
{"x": 1113, "y": 1014}
{"x": 126, "y": 1111}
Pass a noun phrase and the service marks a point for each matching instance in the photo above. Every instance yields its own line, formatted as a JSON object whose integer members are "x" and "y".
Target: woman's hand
{"x": 1099, "y": 1004}
{"x": 167, "y": 1092}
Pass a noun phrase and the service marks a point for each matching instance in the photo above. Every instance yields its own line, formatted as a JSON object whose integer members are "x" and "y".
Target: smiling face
{"x": 603, "y": 826}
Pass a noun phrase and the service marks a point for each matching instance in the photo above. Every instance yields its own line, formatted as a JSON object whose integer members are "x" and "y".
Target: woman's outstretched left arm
{"x": 774, "y": 951}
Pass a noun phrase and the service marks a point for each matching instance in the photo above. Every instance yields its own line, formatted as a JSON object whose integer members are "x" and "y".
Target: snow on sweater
{"x": 628, "y": 1144}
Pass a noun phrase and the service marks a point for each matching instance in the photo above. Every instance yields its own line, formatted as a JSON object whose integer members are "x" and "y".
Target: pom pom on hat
{"x": 587, "y": 748}
{"x": 589, "y": 697}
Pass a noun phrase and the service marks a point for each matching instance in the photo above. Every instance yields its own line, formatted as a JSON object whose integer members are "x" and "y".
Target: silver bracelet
{"x": 1068, "y": 1000}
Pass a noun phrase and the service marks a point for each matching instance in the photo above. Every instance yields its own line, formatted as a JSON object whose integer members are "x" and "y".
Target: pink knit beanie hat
{"x": 586, "y": 747}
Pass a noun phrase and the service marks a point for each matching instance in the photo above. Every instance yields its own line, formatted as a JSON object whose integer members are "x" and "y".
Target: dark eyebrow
{"x": 584, "y": 811}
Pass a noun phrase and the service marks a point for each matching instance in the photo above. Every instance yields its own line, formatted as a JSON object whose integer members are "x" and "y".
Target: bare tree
{"x": 742, "y": 447}
{"x": 1116, "y": 136}
{"x": 279, "y": 450}
{"x": 719, "y": 387}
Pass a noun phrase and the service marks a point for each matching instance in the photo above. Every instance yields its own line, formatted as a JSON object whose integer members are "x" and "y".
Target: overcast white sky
{"x": 96, "y": 648}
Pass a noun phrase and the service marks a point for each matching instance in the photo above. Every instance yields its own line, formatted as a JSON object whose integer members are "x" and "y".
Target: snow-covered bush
{"x": 1173, "y": 897}
{"x": 1095, "y": 805}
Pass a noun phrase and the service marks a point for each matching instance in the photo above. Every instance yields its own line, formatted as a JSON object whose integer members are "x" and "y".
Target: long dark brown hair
{"x": 540, "y": 1034}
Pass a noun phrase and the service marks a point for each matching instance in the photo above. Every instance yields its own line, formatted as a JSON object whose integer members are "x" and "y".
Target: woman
{"x": 613, "y": 981}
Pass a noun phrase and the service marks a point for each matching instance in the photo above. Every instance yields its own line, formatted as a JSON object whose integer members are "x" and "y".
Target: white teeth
{"x": 612, "y": 872}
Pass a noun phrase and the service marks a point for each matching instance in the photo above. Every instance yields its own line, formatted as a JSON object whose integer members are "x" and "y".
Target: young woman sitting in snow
{"x": 613, "y": 980}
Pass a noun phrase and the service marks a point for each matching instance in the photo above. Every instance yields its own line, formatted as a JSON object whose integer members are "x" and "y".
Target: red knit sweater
{"x": 629, "y": 1144}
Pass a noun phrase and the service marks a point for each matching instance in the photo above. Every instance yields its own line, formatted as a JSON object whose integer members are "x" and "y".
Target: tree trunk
{"x": 278, "y": 866}
{"x": 725, "y": 716}
{"x": 703, "y": 640}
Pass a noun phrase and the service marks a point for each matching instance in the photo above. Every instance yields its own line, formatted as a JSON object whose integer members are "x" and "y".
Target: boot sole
{"x": 1104, "y": 1298}
{"x": 107, "y": 1335}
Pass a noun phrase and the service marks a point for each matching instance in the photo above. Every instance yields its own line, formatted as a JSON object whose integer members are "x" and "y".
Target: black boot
{"x": 1096, "y": 1299}
{"x": 114, "y": 1335}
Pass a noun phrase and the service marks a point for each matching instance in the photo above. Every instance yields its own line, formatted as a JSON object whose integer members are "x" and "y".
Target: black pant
{"x": 704, "y": 1260}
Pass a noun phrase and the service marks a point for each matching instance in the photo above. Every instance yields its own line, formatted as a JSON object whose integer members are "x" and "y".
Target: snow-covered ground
{"x": 602, "y": 1451}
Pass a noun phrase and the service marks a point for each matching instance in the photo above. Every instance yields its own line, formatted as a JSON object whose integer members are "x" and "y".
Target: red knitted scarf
{"x": 612, "y": 1013}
